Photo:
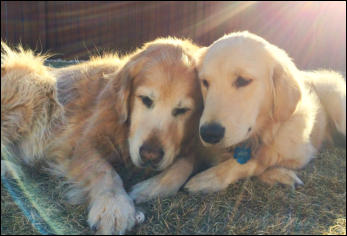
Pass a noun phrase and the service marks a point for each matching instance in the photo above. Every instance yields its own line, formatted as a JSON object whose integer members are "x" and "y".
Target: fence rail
{"x": 314, "y": 34}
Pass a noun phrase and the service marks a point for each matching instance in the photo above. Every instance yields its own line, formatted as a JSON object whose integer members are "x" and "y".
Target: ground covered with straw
{"x": 35, "y": 204}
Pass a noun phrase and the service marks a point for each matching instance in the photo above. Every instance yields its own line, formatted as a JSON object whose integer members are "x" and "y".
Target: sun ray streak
{"x": 38, "y": 213}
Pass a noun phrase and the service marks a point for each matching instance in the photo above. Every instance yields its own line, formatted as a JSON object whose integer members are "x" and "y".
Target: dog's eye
{"x": 205, "y": 83}
{"x": 179, "y": 111}
{"x": 241, "y": 82}
{"x": 146, "y": 101}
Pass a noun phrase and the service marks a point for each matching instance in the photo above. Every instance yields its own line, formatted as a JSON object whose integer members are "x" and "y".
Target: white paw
{"x": 206, "y": 182}
{"x": 281, "y": 175}
{"x": 151, "y": 188}
{"x": 112, "y": 213}
{"x": 142, "y": 191}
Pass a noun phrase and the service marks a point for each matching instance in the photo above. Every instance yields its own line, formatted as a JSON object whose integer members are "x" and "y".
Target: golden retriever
{"x": 30, "y": 110}
{"x": 146, "y": 106}
{"x": 257, "y": 100}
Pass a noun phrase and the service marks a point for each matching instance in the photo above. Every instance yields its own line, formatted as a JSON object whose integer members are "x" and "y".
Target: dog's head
{"x": 158, "y": 95}
{"x": 246, "y": 82}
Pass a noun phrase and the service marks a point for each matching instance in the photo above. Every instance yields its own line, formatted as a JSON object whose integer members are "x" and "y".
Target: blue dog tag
{"x": 242, "y": 154}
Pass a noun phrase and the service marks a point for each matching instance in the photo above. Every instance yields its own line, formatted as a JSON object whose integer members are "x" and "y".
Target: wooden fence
{"x": 314, "y": 34}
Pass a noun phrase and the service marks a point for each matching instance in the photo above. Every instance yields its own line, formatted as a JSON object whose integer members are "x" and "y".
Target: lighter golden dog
{"x": 255, "y": 96}
{"x": 143, "y": 107}
{"x": 30, "y": 110}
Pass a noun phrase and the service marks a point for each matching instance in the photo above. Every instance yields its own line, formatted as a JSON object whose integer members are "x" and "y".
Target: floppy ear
{"x": 286, "y": 93}
{"x": 117, "y": 91}
{"x": 199, "y": 55}
{"x": 2, "y": 70}
{"x": 55, "y": 109}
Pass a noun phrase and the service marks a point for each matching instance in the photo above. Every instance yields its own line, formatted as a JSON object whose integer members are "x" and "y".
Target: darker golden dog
{"x": 142, "y": 107}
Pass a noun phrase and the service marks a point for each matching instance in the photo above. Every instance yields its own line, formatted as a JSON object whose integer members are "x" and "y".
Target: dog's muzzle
{"x": 151, "y": 155}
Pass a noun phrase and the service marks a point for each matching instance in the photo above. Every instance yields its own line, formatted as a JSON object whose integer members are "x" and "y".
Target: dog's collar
{"x": 243, "y": 152}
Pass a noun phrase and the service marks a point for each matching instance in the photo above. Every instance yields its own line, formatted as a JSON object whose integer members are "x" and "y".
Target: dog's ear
{"x": 286, "y": 93}
{"x": 2, "y": 70}
{"x": 199, "y": 55}
{"x": 54, "y": 108}
{"x": 117, "y": 91}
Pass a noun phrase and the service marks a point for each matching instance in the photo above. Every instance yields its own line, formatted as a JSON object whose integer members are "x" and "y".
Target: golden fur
{"x": 286, "y": 110}
{"x": 106, "y": 121}
{"x": 30, "y": 110}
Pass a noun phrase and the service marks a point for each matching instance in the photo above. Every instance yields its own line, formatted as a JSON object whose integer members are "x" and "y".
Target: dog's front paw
{"x": 206, "y": 182}
{"x": 112, "y": 214}
{"x": 151, "y": 188}
{"x": 144, "y": 191}
{"x": 281, "y": 175}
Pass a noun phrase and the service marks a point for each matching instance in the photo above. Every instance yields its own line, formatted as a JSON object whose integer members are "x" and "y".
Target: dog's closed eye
{"x": 146, "y": 101}
{"x": 179, "y": 111}
{"x": 205, "y": 83}
{"x": 241, "y": 82}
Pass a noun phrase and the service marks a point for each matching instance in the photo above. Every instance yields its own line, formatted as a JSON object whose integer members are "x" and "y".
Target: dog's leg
{"x": 111, "y": 210}
{"x": 219, "y": 177}
{"x": 289, "y": 150}
{"x": 165, "y": 184}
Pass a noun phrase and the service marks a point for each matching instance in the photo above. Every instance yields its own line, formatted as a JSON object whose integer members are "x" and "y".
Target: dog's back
{"x": 331, "y": 90}
{"x": 79, "y": 85}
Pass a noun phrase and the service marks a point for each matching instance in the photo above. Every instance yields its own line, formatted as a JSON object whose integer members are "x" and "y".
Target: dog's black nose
{"x": 151, "y": 155}
{"x": 212, "y": 132}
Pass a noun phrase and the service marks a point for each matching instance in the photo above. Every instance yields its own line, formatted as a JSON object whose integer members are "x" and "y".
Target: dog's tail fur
{"x": 330, "y": 87}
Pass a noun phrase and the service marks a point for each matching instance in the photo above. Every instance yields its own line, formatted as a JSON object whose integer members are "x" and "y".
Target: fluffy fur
{"x": 30, "y": 110}
{"x": 255, "y": 92}
{"x": 108, "y": 121}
